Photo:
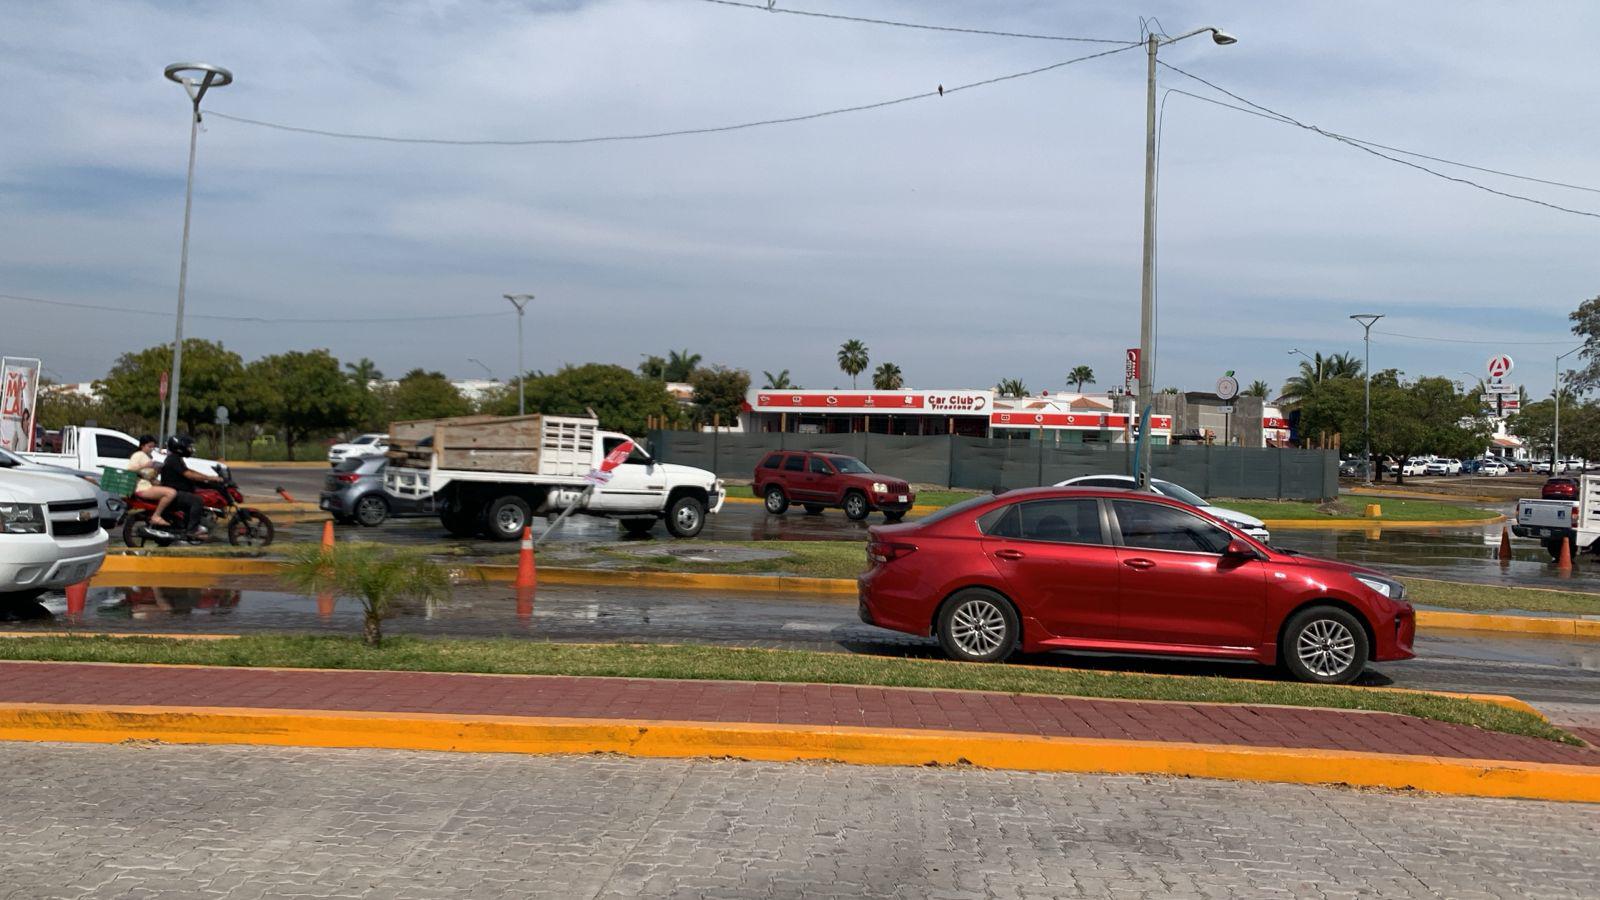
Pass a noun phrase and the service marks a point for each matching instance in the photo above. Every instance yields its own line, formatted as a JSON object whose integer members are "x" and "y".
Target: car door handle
{"x": 1139, "y": 562}
{"x": 1009, "y": 554}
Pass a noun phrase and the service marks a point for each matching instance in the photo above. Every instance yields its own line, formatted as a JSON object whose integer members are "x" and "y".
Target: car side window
{"x": 1002, "y": 522}
{"x": 113, "y": 447}
{"x": 794, "y": 463}
{"x": 1075, "y": 521}
{"x": 772, "y": 461}
{"x": 1155, "y": 526}
{"x": 819, "y": 466}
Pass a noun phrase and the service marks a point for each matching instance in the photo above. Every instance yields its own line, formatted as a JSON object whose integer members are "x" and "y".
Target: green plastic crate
{"x": 118, "y": 482}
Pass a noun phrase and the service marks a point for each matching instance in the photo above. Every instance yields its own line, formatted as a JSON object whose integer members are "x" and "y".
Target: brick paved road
{"x": 145, "y": 821}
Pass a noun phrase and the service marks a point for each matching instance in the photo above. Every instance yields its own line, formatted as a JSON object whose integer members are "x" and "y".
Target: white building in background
{"x": 475, "y": 389}
{"x": 75, "y": 389}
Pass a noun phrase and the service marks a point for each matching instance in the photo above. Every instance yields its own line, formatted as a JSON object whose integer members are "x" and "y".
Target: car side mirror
{"x": 1239, "y": 550}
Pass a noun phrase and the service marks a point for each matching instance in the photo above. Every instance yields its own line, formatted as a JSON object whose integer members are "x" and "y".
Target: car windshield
{"x": 849, "y": 465}
{"x": 365, "y": 439}
{"x": 1176, "y": 492}
{"x": 8, "y": 461}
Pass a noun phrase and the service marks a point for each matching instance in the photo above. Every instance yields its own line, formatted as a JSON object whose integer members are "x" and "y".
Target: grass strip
{"x": 523, "y": 657}
{"x": 1495, "y": 598}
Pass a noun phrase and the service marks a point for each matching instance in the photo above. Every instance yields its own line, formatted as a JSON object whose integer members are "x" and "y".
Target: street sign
{"x": 1130, "y": 372}
{"x": 163, "y": 387}
{"x": 1225, "y": 409}
{"x": 1500, "y": 387}
{"x": 222, "y": 415}
{"x": 616, "y": 457}
{"x": 1500, "y": 366}
{"x": 1227, "y": 388}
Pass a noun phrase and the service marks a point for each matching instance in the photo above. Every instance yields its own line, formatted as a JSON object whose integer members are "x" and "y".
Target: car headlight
{"x": 1391, "y": 589}
{"x": 21, "y": 518}
{"x": 879, "y": 487}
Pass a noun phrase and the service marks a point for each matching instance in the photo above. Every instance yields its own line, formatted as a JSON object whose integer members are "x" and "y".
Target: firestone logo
{"x": 957, "y": 402}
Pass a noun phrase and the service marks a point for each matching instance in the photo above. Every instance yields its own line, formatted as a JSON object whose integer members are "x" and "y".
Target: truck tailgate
{"x": 1545, "y": 513}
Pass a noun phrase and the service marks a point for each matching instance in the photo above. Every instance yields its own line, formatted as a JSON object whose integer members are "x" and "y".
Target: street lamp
{"x": 1366, "y": 320}
{"x": 520, "y": 301}
{"x": 1147, "y": 313}
{"x": 196, "y": 78}
{"x": 485, "y": 367}
{"x": 1555, "y": 449}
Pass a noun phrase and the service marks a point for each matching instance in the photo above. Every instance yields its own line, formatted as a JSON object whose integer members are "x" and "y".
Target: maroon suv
{"x": 820, "y": 480}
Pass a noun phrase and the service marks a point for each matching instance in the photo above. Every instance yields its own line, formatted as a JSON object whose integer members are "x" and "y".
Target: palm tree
{"x": 680, "y": 365}
{"x": 363, "y": 372}
{"x": 887, "y": 377}
{"x": 779, "y": 381}
{"x": 1080, "y": 376}
{"x": 1012, "y": 387}
{"x": 853, "y": 359}
{"x": 1258, "y": 388}
{"x": 1318, "y": 369}
{"x": 377, "y": 577}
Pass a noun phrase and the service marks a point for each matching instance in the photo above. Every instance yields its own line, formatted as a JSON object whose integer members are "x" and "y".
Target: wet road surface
{"x": 1561, "y": 675}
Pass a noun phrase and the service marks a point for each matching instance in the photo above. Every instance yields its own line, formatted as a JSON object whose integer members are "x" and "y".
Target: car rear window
{"x": 351, "y": 464}
{"x": 772, "y": 461}
{"x": 794, "y": 463}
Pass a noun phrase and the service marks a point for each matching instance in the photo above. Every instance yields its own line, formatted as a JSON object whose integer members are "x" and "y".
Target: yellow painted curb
{"x": 918, "y": 509}
{"x": 1362, "y": 524}
{"x": 128, "y": 564}
{"x": 1545, "y": 625}
{"x": 864, "y": 746}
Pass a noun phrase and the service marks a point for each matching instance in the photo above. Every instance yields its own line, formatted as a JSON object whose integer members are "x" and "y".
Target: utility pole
{"x": 1555, "y": 448}
{"x": 1366, "y": 320}
{"x": 1147, "y": 305}
{"x": 520, "y": 301}
{"x": 209, "y": 77}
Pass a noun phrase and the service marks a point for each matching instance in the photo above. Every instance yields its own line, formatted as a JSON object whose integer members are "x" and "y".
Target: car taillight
{"x": 883, "y": 551}
{"x": 347, "y": 478}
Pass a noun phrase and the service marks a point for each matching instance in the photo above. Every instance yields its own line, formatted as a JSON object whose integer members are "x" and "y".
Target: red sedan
{"x": 1121, "y": 572}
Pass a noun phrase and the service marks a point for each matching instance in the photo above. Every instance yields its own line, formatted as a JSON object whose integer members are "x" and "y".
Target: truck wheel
{"x": 507, "y": 517}
{"x": 856, "y": 506}
{"x": 459, "y": 522}
{"x": 686, "y": 516}
{"x": 777, "y": 503}
{"x": 637, "y": 528}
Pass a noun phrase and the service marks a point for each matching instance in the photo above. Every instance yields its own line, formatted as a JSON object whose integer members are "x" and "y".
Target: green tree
{"x": 1315, "y": 371}
{"x": 58, "y": 409}
{"x": 1258, "y": 388}
{"x": 680, "y": 365}
{"x": 779, "y": 381}
{"x": 1426, "y": 416}
{"x": 1080, "y": 376}
{"x": 719, "y": 394}
{"x": 301, "y": 393}
{"x": 887, "y": 377}
{"x": 654, "y": 367}
{"x": 1586, "y": 324}
{"x": 622, "y": 400}
{"x": 212, "y": 377}
{"x": 853, "y": 359}
{"x": 363, "y": 372}
{"x": 1011, "y": 387}
{"x": 377, "y": 577}
{"x": 424, "y": 395}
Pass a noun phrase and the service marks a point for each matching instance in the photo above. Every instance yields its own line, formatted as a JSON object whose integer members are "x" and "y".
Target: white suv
{"x": 362, "y": 446}
{"x": 50, "y": 534}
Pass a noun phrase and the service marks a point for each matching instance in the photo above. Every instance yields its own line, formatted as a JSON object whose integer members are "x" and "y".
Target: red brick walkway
{"x": 797, "y": 704}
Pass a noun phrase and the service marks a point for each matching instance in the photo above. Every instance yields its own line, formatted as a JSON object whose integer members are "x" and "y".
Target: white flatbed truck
{"x": 1552, "y": 521}
{"x": 491, "y": 475}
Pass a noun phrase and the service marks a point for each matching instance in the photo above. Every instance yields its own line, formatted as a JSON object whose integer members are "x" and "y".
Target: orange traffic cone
{"x": 527, "y": 576}
{"x": 285, "y": 495}
{"x": 1505, "y": 546}
{"x": 327, "y": 535}
{"x": 525, "y": 602}
{"x": 77, "y": 598}
{"x": 1564, "y": 559}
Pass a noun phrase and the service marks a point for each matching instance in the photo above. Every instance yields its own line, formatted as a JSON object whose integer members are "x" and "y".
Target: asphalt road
{"x": 1561, "y": 675}
{"x": 143, "y": 820}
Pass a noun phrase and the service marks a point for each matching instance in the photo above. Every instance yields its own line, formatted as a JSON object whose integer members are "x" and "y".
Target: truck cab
{"x": 91, "y": 449}
{"x": 50, "y": 534}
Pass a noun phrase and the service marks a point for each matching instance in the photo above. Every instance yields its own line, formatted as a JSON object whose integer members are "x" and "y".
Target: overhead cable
{"x": 773, "y": 8}
{"x": 261, "y": 320}
{"x": 1367, "y": 147}
{"x": 1444, "y": 340}
{"x": 941, "y": 91}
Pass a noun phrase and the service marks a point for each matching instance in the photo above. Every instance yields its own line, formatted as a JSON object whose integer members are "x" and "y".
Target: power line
{"x": 1443, "y": 340}
{"x": 1365, "y": 148}
{"x": 260, "y": 320}
{"x": 770, "y": 7}
{"x": 683, "y": 132}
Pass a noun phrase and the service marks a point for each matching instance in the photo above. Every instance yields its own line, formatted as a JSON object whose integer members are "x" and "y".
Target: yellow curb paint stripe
{"x": 920, "y": 509}
{"x": 191, "y": 636}
{"x": 1361, "y": 524}
{"x": 1427, "y": 618}
{"x": 847, "y": 744}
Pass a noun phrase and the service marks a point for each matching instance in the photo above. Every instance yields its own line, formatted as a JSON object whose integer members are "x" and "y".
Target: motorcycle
{"x": 247, "y": 526}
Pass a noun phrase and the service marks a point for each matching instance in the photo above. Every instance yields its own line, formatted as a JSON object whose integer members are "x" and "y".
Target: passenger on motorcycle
{"x": 141, "y": 463}
{"x": 176, "y": 474}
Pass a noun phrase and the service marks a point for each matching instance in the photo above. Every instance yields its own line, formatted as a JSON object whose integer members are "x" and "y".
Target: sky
{"x": 990, "y": 233}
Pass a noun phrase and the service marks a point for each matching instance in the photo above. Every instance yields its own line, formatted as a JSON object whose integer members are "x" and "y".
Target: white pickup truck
{"x": 1552, "y": 521}
{"x": 490, "y": 475}
{"x": 90, "y": 449}
{"x": 50, "y": 534}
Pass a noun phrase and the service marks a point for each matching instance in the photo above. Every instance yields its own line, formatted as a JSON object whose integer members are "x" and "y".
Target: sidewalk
{"x": 58, "y": 701}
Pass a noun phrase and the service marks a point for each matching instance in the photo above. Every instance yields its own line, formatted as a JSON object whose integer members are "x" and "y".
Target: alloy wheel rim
{"x": 774, "y": 500}
{"x": 978, "y": 627}
{"x": 371, "y": 507}
{"x": 1326, "y": 648}
{"x": 856, "y": 504}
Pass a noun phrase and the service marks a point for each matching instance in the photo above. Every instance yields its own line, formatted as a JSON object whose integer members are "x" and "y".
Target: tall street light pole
{"x": 1147, "y": 312}
{"x": 1366, "y": 320}
{"x": 196, "y": 78}
{"x": 1555, "y": 449}
{"x": 520, "y": 301}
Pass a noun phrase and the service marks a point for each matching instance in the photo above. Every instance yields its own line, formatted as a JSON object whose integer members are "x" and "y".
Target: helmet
{"x": 181, "y": 444}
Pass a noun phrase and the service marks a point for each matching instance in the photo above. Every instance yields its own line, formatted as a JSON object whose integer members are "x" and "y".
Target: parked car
{"x": 1542, "y": 468}
{"x": 1559, "y": 488}
{"x": 1349, "y": 468}
{"x": 1520, "y": 465}
{"x": 1471, "y": 466}
{"x": 1125, "y": 572}
{"x": 1243, "y": 521}
{"x": 111, "y": 508}
{"x": 1436, "y": 467}
{"x": 1493, "y": 467}
{"x": 50, "y": 534}
{"x": 818, "y": 481}
{"x": 353, "y": 494}
{"x": 1416, "y": 465}
{"x": 363, "y": 445}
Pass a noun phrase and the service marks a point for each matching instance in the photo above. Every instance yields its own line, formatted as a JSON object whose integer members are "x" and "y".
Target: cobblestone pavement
{"x": 147, "y": 820}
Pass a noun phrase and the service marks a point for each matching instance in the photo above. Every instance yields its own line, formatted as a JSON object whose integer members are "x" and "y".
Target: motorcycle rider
{"x": 176, "y": 474}
{"x": 147, "y": 489}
